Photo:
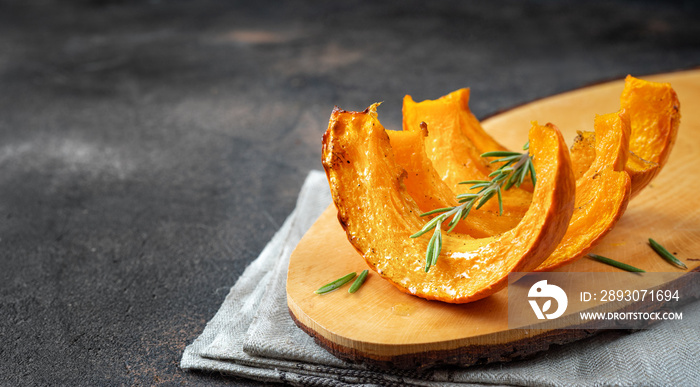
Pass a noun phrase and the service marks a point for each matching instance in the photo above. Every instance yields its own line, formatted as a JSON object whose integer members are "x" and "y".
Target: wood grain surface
{"x": 381, "y": 325}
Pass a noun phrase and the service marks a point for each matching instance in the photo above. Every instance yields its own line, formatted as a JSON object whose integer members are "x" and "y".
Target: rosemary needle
{"x": 329, "y": 287}
{"x": 615, "y": 263}
{"x": 358, "y": 282}
{"x": 665, "y": 254}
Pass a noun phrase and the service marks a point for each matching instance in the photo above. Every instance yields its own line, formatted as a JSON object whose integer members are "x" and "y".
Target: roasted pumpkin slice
{"x": 455, "y": 143}
{"x": 379, "y": 215}
{"x": 654, "y": 111}
{"x": 602, "y": 192}
{"x": 430, "y": 192}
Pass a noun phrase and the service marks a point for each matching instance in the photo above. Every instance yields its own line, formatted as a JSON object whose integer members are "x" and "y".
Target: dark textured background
{"x": 149, "y": 150}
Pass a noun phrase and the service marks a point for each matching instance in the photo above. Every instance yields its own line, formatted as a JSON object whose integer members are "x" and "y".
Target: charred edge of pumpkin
{"x": 329, "y": 150}
{"x": 329, "y": 154}
{"x": 424, "y": 129}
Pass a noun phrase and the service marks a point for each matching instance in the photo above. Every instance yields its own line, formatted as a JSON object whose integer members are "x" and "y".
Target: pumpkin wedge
{"x": 602, "y": 192}
{"x": 655, "y": 115}
{"x": 654, "y": 111}
{"x": 455, "y": 143}
{"x": 379, "y": 215}
{"x": 425, "y": 186}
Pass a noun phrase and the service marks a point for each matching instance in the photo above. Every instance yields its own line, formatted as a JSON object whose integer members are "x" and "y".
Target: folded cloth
{"x": 252, "y": 336}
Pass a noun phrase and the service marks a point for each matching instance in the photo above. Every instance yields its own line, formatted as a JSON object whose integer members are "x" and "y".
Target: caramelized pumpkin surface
{"x": 425, "y": 186}
{"x": 654, "y": 111}
{"x": 655, "y": 115}
{"x": 379, "y": 215}
{"x": 382, "y": 181}
{"x": 455, "y": 143}
{"x": 602, "y": 192}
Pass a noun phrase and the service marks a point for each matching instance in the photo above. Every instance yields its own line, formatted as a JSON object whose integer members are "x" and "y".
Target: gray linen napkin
{"x": 253, "y": 336}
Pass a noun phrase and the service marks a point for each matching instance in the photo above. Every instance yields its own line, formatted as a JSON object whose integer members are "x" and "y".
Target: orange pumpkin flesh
{"x": 455, "y": 143}
{"x": 654, "y": 111}
{"x": 641, "y": 171}
{"x": 602, "y": 192}
{"x": 583, "y": 152}
{"x": 422, "y": 181}
{"x": 379, "y": 215}
{"x": 610, "y": 166}
{"x": 430, "y": 192}
{"x": 654, "y": 115}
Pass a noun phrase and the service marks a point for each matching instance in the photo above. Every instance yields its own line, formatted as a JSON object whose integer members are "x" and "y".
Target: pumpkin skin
{"x": 379, "y": 215}
{"x": 602, "y": 192}
{"x": 455, "y": 143}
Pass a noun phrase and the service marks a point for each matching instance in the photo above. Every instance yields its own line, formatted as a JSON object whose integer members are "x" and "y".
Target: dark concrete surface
{"x": 149, "y": 150}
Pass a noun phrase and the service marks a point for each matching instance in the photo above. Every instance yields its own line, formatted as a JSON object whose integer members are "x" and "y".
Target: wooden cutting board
{"x": 381, "y": 325}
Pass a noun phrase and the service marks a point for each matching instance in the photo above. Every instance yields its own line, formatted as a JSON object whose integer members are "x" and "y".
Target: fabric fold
{"x": 253, "y": 336}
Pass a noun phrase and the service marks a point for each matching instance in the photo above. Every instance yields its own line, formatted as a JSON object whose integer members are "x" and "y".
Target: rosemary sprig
{"x": 331, "y": 286}
{"x": 358, "y": 282}
{"x": 665, "y": 254}
{"x": 615, "y": 263}
{"x": 516, "y": 166}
